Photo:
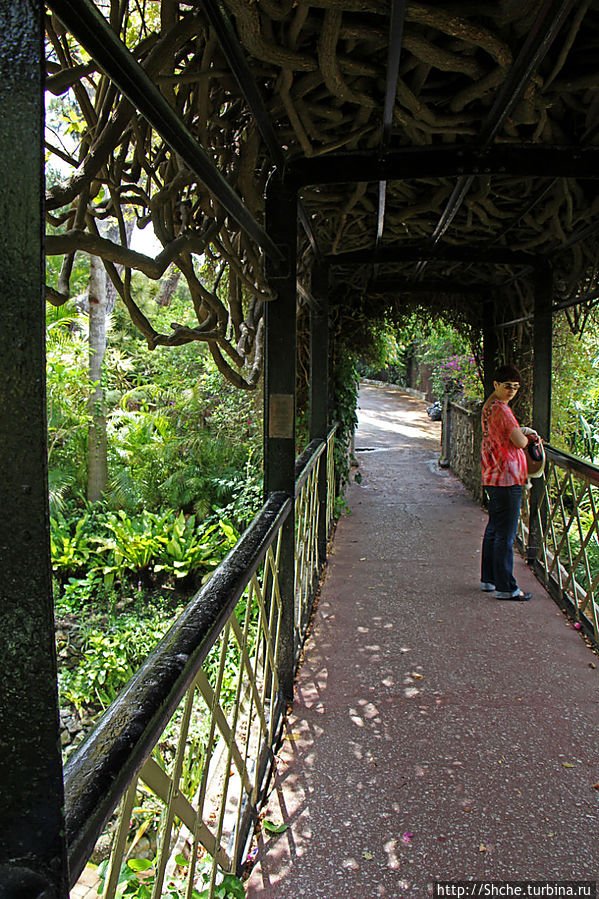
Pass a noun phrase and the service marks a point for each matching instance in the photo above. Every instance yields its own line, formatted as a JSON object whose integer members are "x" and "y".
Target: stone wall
{"x": 418, "y": 376}
{"x": 462, "y": 437}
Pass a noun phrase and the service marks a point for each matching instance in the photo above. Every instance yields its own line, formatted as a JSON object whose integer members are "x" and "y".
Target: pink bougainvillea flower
{"x": 577, "y": 626}
{"x": 407, "y": 836}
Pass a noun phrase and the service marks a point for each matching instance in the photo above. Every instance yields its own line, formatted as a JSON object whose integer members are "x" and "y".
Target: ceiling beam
{"x": 233, "y": 52}
{"x": 94, "y": 33}
{"x": 396, "y": 23}
{"x": 546, "y": 26}
{"x": 217, "y": 15}
{"x": 548, "y": 22}
{"x": 510, "y": 160}
{"x": 399, "y": 285}
{"x": 534, "y": 201}
{"x": 415, "y": 253}
{"x": 576, "y": 238}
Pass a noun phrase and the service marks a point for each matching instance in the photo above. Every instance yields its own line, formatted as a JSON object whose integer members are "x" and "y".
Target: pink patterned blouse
{"x": 503, "y": 464}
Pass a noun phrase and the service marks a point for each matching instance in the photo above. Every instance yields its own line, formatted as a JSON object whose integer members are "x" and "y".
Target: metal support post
{"x": 319, "y": 389}
{"x": 279, "y": 404}
{"x": 490, "y": 347}
{"x": 541, "y": 391}
{"x": 32, "y": 853}
{"x": 445, "y": 460}
{"x": 542, "y": 349}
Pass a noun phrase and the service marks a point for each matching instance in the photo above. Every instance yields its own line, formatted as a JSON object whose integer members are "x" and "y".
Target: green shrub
{"x": 110, "y": 656}
{"x": 188, "y": 549}
{"x": 109, "y": 547}
{"x": 71, "y": 545}
{"x": 346, "y": 398}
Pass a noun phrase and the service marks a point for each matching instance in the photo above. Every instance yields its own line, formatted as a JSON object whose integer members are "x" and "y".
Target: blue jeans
{"x": 498, "y": 543}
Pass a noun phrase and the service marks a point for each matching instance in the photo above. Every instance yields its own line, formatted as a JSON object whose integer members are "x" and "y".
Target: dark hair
{"x": 507, "y": 373}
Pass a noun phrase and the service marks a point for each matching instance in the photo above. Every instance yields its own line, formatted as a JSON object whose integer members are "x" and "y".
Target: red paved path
{"x": 425, "y": 707}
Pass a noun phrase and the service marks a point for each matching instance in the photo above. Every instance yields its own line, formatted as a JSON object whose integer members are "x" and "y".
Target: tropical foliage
{"x": 184, "y": 479}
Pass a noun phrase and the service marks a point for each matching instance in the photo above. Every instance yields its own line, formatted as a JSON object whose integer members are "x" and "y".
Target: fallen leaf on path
{"x": 568, "y": 765}
{"x": 367, "y": 855}
{"x": 271, "y": 827}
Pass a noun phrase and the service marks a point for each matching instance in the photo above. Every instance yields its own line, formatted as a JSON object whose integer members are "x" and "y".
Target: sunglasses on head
{"x": 510, "y": 385}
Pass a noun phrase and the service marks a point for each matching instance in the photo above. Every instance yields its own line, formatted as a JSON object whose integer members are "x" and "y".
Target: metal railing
{"x": 559, "y": 529}
{"x": 307, "y": 516}
{"x": 313, "y": 468}
{"x": 330, "y": 500}
{"x": 187, "y": 747}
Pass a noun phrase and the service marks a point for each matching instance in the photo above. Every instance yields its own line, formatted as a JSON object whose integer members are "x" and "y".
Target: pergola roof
{"x": 435, "y": 148}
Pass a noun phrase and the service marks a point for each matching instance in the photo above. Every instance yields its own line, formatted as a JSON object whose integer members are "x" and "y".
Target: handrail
{"x": 307, "y": 459}
{"x": 119, "y": 749}
{"x": 561, "y": 527}
{"x": 572, "y": 463}
{"x": 558, "y": 530}
{"x": 90, "y": 28}
{"x": 305, "y": 463}
{"x": 97, "y": 774}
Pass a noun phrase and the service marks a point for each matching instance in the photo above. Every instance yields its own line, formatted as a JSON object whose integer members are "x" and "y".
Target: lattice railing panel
{"x": 568, "y": 522}
{"x": 206, "y": 772}
{"x": 186, "y": 747}
{"x": 306, "y": 546}
{"x": 330, "y": 480}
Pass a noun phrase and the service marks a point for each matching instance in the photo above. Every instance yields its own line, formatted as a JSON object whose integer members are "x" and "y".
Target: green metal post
{"x": 490, "y": 346}
{"x": 32, "y": 853}
{"x": 445, "y": 458}
{"x": 541, "y": 390}
{"x": 279, "y": 404}
{"x": 542, "y": 349}
{"x": 319, "y": 388}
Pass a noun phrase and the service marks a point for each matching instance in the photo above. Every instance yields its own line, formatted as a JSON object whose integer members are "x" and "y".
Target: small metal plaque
{"x": 280, "y": 417}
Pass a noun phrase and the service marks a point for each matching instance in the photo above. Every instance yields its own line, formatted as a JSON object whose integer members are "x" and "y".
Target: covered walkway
{"x": 436, "y": 733}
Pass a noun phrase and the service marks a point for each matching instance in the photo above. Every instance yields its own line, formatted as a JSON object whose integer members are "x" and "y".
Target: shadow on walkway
{"x": 437, "y": 733}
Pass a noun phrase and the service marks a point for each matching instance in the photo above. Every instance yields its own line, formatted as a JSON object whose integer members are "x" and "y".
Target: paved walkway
{"x": 437, "y": 733}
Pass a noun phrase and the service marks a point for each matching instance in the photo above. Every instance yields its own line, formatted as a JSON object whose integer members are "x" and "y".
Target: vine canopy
{"x": 266, "y": 84}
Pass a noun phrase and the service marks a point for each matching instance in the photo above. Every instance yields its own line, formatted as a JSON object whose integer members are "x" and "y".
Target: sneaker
{"x": 486, "y": 587}
{"x": 518, "y": 596}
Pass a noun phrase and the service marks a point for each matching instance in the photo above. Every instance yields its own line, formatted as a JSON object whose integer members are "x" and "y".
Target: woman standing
{"x": 504, "y": 471}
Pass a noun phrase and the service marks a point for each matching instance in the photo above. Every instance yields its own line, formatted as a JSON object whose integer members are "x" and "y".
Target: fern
{"x": 60, "y": 482}
{"x": 123, "y": 492}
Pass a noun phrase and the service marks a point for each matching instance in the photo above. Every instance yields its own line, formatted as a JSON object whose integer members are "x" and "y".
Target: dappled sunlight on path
{"x": 436, "y": 733}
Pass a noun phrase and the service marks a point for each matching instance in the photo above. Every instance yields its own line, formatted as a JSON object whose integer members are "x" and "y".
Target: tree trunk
{"x": 168, "y": 285}
{"x": 97, "y": 462}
